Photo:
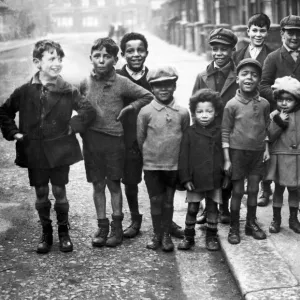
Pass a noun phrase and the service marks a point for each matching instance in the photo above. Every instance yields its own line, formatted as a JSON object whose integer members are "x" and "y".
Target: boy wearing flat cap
{"x": 160, "y": 126}
{"x": 244, "y": 131}
{"x": 220, "y": 76}
{"x": 284, "y": 61}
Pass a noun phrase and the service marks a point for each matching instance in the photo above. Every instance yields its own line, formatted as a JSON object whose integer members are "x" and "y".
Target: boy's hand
{"x": 18, "y": 136}
{"x": 284, "y": 116}
{"x": 189, "y": 186}
{"x": 124, "y": 111}
{"x": 70, "y": 130}
{"x": 266, "y": 156}
{"x": 227, "y": 167}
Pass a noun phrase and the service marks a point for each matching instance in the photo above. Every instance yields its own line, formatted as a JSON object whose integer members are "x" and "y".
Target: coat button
{"x": 294, "y": 146}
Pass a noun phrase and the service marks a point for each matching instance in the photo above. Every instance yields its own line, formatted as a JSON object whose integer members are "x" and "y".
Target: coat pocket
{"x": 64, "y": 150}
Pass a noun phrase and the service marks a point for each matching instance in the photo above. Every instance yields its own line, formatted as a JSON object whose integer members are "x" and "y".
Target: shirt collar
{"x": 246, "y": 100}
{"x": 134, "y": 74}
{"x": 252, "y": 48}
{"x": 109, "y": 79}
{"x": 158, "y": 106}
{"x": 289, "y": 49}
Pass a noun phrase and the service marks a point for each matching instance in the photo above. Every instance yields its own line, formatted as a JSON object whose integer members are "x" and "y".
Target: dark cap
{"x": 249, "y": 61}
{"x": 163, "y": 73}
{"x": 223, "y": 36}
{"x": 290, "y": 22}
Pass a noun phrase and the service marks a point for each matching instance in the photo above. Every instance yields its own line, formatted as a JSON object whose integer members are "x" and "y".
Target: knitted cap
{"x": 222, "y": 36}
{"x": 249, "y": 61}
{"x": 290, "y": 22}
{"x": 162, "y": 73}
{"x": 287, "y": 84}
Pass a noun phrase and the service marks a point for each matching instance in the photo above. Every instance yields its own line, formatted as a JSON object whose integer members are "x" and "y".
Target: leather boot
{"x": 155, "y": 241}
{"x": 293, "y": 220}
{"x": 100, "y": 236}
{"x": 62, "y": 212}
{"x": 211, "y": 239}
{"x": 188, "y": 241}
{"x": 134, "y": 228}
{"x": 264, "y": 193}
{"x": 46, "y": 240}
{"x": 116, "y": 233}
{"x": 252, "y": 228}
{"x": 167, "y": 243}
{"x": 275, "y": 224}
{"x": 234, "y": 231}
{"x": 176, "y": 230}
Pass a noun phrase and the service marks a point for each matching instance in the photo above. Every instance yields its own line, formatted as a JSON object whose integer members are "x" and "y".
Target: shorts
{"x": 103, "y": 156}
{"x": 245, "y": 163}
{"x": 133, "y": 167}
{"x": 57, "y": 176}
{"x": 215, "y": 195}
{"x": 158, "y": 180}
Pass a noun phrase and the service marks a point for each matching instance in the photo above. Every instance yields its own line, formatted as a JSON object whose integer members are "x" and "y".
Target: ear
{"x": 147, "y": 53}
{"x": 91, "y": 59}
{"x": 282, "y": 32}
{"x": 237, "y": 79}
{"x": 233, "y": 49}
{"x": 37, "y": 63}
{"x": 122, "y": 54}
{"x": 248, "y": 31}
{"x": 116, "y": 60}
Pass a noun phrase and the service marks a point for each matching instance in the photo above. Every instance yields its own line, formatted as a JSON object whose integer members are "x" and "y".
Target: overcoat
{"x": 278, "y": 63}
{"x": 45, "y": 122}
{"x": 201, "y": 157}
{"x": 284, "y": 164}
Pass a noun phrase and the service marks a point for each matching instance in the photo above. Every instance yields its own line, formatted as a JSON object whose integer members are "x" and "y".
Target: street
{"x": 129, "y": 271}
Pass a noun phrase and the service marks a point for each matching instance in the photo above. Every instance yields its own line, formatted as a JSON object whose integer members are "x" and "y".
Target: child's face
{"x": 291, "y": 38}
{"x": 135, "y": 54}
{"x": 257, "y": 35}
{"x": 248, "y": 79}
{"x": 221, "y": 54}
{"x": 102, "y": 61}
{"x": 164, "y": 90}
{"x": 205, "y": 113}
{"x": 50, "y": 65}
{"x": 286, "y": 102}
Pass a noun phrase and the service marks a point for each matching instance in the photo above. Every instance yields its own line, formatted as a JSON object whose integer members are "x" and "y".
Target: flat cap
{"x": 287, "y": 84}
{"x": 222, "y": 36}
{"x": 162, "y": 73}
{"x": 249, "y": 61}
{"x": 290, "y": 22}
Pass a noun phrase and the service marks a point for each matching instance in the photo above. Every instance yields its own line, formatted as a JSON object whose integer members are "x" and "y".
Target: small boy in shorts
{"x": 220, "y": 76}
{"x": 244, "y": 132}
{"x": 258, "y": 28}
{"x": 103, "y": 142}
{"x": 46, "y": 142}
{"x": 159, "y": 131}
{"x": 134, "y": 47}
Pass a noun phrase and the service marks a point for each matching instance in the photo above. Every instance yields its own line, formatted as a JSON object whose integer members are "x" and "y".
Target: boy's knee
{"x": 42, "y": 193}
{"x": 59, "y": 193}
{"x": 99, "y": 186}
{"x": 193, "y": 209}
{"x": 114, "y": 186}
{"x": 131, "y": 189}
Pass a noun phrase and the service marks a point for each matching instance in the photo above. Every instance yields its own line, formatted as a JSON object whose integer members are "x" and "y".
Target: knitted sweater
{"x": 159, "y": 133}
{"x": 107, "y": 96}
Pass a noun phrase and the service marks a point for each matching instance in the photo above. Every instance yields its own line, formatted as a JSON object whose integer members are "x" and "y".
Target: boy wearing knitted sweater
{"x": 103, "y": 143}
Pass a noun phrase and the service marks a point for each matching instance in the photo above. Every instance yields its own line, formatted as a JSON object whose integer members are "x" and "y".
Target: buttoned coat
{"x": 201, "y": 157}
{"x": 278, "y": 63}
{"x": 45, "y": 124}
{"x": 284, "y": 164}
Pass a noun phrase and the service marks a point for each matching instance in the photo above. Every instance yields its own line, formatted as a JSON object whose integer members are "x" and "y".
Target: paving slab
{"x": 276, "y": 294}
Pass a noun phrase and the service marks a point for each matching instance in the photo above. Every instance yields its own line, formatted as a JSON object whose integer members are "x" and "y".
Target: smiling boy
{"x": 258, "y": 27}
{"x": 46, "y": 142}
{"x": 103, "y": 143}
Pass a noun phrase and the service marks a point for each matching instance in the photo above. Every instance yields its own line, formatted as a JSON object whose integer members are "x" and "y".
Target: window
{"x": 90, "y": 21}
{"x": 64, "y": 22}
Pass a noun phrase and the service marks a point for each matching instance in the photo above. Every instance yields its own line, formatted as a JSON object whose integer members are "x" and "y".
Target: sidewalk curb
{"x": 259, "y": 270}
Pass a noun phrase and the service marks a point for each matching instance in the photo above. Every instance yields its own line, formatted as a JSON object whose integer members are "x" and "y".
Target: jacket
{"x": 45, "y": 122}
{"x": 278, "y": 63}
{"x": 201, "y": 157}
{"x": 240, "y": 54}
{"x": 159, "y": 133}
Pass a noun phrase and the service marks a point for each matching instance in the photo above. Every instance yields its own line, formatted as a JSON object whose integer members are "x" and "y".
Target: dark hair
{"x": 130, "y": 37}
{"x": 206, "y": 95}
{"x": 260, "y": 20}
{"x": 107, "y": 43}
{"x": 278, "y": 93}
{"x": 46, "y": 45}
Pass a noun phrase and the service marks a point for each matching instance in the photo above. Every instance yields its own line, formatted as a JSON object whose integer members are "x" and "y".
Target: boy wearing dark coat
{"x": 258, "y": 27}
{"x": 200, "y": 166}
{"x": 134, "y": 47}
{"x": 46, "y": 142}
{"x": 220, "y": 76}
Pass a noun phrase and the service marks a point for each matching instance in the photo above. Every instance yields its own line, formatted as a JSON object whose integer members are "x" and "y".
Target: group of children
{"x": 130, "y": 123}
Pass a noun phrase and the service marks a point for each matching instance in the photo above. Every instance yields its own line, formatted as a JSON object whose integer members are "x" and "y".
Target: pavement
{"x": 266, "y": 269}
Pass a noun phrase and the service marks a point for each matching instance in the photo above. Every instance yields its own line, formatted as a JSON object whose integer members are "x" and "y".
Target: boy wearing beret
{"x": 220, "y": 76}
{"x": 160, "y": 126}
